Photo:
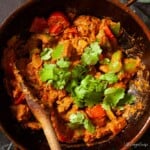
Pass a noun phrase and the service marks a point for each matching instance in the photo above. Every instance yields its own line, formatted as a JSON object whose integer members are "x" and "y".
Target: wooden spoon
{"x": 39, "y": 113}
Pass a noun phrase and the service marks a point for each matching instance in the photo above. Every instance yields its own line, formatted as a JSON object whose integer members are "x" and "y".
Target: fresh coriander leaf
{"x": 79, "y": 71}
{"x": 89, "y": 92}
{"x": 46, "y": 54}
{"x": 93, "y": 98}
{"x": 75, "y": 125}
{"x": 71, "y": 85}
{"x": 47, "y": 72}
{"x": 89, "y": 126}
{"x": 100, "y": 86}
{"x": 113, "y": 96}
{"x": 89, "y": 58}
{"x": 60, "y": 84}
{"x": 110, "y": 77}
{"x": 96, "y": 47}
{"x": 58, "y": 77}
{"x": 62, "y": 63}
{"x": 57, "y": 52}
{"x": 91, "y": 54}
{"x": 77, "y": 118}
{"x": 128, "y": 99}
{"x": 80, "y": 92}
{"x": 86, "y": 81}
{"x": 106, "y": 105}
{"x": 93, "y": 84}
{"x": 62, "y": 78}
{"x": 79, "y": 102}
{"x": 77, "y": 74}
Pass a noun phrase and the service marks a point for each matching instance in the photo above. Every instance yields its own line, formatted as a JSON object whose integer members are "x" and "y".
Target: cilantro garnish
{"x": 62, "y": 78}
{"x": 77, "y": 74}
{"x": 85, "y": 89}
{"x": 47, "y": 72}
{"x": 89, "y": 126}
{"x": 57, "y": 51}
{"x": 91, "y": 54}
{"x": 89, "y": 92}
{"x": 112, "y": 97}
{"x": 128, "y": 99}
{"x": 54, "y": 53}
{"x": 79, "y": 71}
{"x": 62, "y": 63}
{"x": 79, "y": 120}
{"x": 110, "y": 77}
{"x": 56, "y": 74}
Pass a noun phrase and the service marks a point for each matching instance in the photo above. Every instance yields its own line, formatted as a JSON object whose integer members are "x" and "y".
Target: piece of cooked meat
{"x": 21, "y": 112}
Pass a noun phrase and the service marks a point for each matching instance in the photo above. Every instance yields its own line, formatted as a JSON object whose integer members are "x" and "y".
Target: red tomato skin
{"x": 110, "y": 36}
{"x": 57, "y": 22}
{"x": 96, "y": 112}
{"x": 108, "y": 32}
{"x": 56, "y": 29}
{"x": 56, "y": 17}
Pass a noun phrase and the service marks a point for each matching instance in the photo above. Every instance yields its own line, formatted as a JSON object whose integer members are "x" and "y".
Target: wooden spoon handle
{"x": 43, "y": 118}
{"x": 39, "y": 113}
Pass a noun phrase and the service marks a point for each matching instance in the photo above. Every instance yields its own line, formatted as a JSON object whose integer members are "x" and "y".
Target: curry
{"x": 80, "y": 73}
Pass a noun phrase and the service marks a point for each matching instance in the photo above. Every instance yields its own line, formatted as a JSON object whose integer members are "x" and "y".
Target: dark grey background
{"x": 8, "y": 6}
{"x": 142, "y": 9}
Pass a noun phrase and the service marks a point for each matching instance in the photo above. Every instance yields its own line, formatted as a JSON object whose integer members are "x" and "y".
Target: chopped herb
{"x": 79, "y": 120}
{"x": 55, "y": 75}
{"x": 57, "y": 52}
{"x": 71, "y": 85}
{"x": 79, "y": 71}
{"x": 62, "y": 78}
{"x": 89, "y": 92}
{"x": 62, "y": 63}
{"x": 77, "y": 74}
{"x": 89, "y": 126}
{"x": 112, "y": 97}
{"x": 91, "y": 54}
{"x": 47, "y": 72}
{"x": 128, "y": 99}
{"x": 110, "y": 77}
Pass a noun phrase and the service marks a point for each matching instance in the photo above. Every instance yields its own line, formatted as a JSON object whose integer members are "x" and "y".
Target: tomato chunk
{"x": 96, "y": 112}
{"x": 110, "y": 35}
{"x": 57, "y": 23}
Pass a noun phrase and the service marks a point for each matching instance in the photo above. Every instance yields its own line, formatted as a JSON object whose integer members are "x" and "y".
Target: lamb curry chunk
{"x": 79, "y": 72}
